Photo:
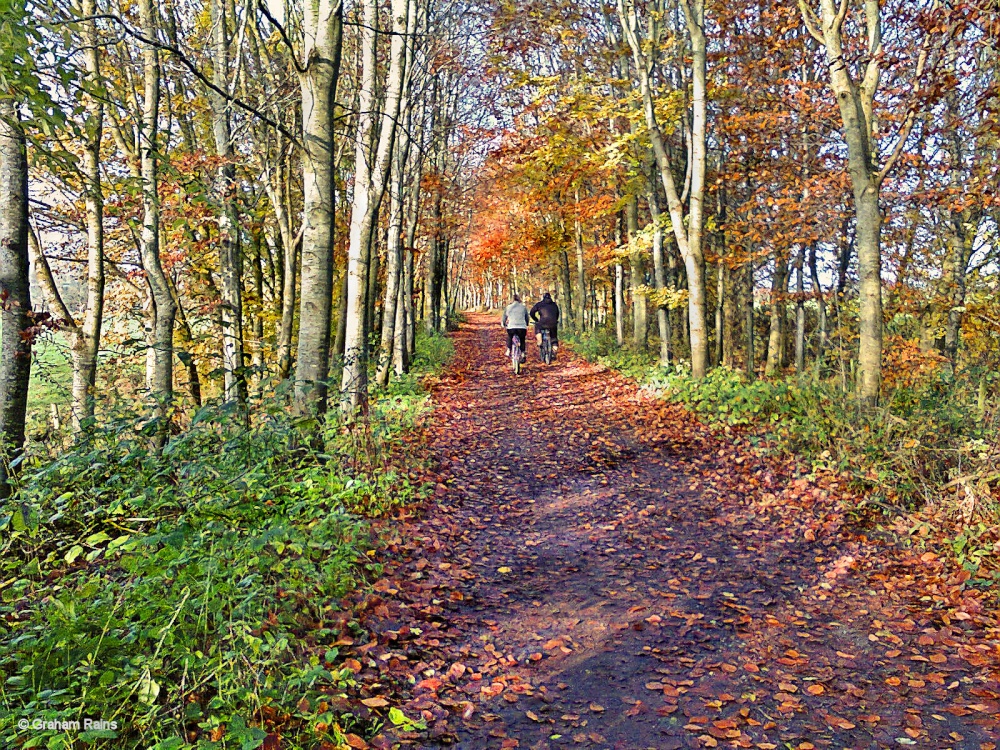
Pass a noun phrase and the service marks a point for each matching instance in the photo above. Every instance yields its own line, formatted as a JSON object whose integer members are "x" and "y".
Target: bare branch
{"x": 284, "y": 35}
{"x": 812, "y": 22}
{"x": 183, "y": 59}
{"x": 838, "y": 21}
{"x": 43, "y": 273}
{"x": 909, "y": 120}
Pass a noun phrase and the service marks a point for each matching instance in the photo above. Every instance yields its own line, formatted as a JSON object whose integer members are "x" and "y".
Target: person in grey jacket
{"x": 515, "y": 320}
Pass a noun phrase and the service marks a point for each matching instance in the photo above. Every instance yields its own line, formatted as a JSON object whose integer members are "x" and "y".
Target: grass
{"x": 51, "y": 380}
{"x": 192, "y": 599}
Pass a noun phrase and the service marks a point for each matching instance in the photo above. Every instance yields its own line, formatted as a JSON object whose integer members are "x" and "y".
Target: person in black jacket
{"x": 546, "y": 316}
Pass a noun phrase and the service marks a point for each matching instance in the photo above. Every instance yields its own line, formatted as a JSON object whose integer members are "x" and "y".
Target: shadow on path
{"x": 620, "y": 577}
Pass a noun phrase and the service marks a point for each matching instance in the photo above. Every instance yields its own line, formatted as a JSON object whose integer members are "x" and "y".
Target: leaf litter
{"x": 596, "y": 568}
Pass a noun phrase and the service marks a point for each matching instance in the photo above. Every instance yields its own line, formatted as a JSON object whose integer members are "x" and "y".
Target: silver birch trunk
{"x": 409, "y": 308}
{"x": 323, "y": 27}
{"x": 392, "y": 352}
{"x": 720, "y": 294}
{"x": 15, "y": 292}
{"x": 821, "y": 344}
{"x": 620, "y": 304}
{"x": 371, "y": 173}
{"x": 394, "y": 266}
{"x": 581, "y": 271}
{"x": 659, "y": 272}
{"x": 86, "y": 343}
{"x": 637, "y": 276}
{"x": 230, "y": 257}
{"x": 164, "y": 309}
{"x": 277, "y": 190}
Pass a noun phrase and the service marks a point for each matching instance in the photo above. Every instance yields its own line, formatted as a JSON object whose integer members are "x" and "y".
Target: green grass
{"x": 192, "y": 598}
{"x": 51, "y": 380}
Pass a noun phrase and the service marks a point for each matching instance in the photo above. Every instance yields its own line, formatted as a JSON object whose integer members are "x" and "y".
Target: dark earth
{"x": 597, "y": 569}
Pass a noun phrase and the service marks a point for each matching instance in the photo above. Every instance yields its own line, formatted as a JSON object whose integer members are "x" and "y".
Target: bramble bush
{"x": 190, "y": 597}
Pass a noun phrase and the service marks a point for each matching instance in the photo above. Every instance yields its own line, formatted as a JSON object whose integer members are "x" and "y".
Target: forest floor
{"x": 598, "y": 569}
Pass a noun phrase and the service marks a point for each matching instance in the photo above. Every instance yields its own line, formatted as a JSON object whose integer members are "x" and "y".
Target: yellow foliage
{"x": 906, "y": 365}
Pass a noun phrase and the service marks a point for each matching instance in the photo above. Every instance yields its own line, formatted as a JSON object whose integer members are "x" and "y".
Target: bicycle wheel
{"x": 515, "y": 355}
{"x": 546, "y": 347}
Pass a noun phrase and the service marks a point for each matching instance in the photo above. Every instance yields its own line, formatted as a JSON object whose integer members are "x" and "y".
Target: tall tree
{"x": 164, "y": 305}
{"x": 855, "y": 95}
{"x": 85, "y": 334}
{"x": 687, "y": 226}
{"x": 323, "y": 27}
{"x": 230, "y": 257}
{"x": 15, "y": 291}
{"x": 370, "y": 177}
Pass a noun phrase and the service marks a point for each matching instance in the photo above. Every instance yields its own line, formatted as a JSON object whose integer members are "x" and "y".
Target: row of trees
{"x": 216, "y": 196}
{"x": 690, "y": 155}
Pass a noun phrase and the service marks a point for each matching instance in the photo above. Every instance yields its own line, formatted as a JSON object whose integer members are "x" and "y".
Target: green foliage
{"x": 600, "y": 346}
{"x": 193, "y": 594}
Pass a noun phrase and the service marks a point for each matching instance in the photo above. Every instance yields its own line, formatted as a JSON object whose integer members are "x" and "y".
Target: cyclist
{"x": 515, "y": 320}
{"x": 546, "y": 316}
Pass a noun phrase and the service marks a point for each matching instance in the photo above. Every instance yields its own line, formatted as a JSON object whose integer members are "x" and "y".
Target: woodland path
{"x": 600, "y": 570}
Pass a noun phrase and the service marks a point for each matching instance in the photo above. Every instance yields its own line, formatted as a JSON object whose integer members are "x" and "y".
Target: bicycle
{"x": 546, "y": 349}
{"x": 515, "y": 354}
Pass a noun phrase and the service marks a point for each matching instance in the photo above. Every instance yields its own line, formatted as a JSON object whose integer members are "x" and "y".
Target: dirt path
{"x": 600, "y": 570}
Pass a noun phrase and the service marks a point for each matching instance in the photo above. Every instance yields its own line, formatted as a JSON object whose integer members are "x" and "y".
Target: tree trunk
{"x": 688, "y": 231}
{"x": 779, "y": 288}
{"x": 729, "y": 320}
{"x": 323, "y": 26}
{"x": 408, "y": 303}
{"x": 855, "y": 101}
{"x": 257, "y": 361}
{"x": 15, "y": 293}
{"x": 230, "y": 258}
{"x": 278, "y": 194}
{"x": 637, "y": 276}
{"x": 431, "y": 286}
{"x": 870, "y": 270}
{"x": 800, "y": 312}
{"x": 620, "y": 304}
{"x": 720, "y": 295}
{"x": 185, "y": 352}
{"x": 659, "y": 273}
{"x": 371, "y": 173}
{"x": 821, "y": 344}
{"x": 394, "y": 263}
{"x": 751, "y": 356}
{"x": 164, "y": 310}
{"x": 567, "y": 291}
{"x": 86, "y": 343}
{"x": 372, "y": 326}
{"x": 581, "y": 272}
{"x": 405, "y": 347}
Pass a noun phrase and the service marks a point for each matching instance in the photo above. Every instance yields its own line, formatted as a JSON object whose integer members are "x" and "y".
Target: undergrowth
{"x": 931, "y": 446}
{"x": 191, "y": 598}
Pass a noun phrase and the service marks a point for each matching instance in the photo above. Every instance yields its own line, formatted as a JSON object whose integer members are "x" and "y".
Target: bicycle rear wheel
{"x": 547, "y": 347}
{"x": 515, "y": 355}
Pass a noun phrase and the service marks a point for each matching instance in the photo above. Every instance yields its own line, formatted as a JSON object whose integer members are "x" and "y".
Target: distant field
{"x": 51, "y": 379}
